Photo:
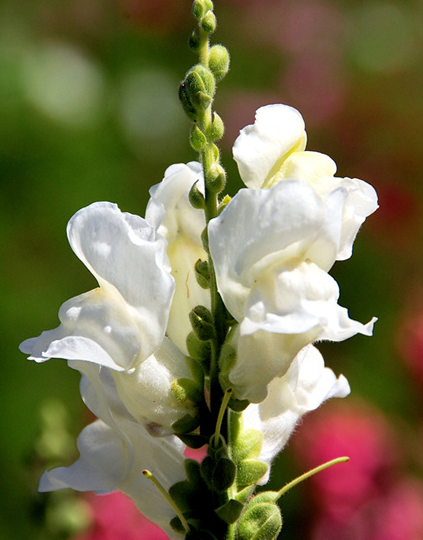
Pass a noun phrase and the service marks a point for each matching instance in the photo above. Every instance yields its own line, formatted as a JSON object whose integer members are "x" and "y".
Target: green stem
{"x": 169, "y": 499}
{"x": 311, "y": 473}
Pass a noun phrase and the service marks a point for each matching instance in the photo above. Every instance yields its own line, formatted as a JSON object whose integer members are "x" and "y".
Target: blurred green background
{"x": 89, "y": 111}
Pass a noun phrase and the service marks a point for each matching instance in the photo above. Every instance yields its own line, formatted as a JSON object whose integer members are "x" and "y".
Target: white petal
{"x": 258, "y": 228}
{"x": 124, "y": 321}
{"x": 307, "y": 384}
{"x": 103, "y": 467}
{"x": 290, "y": 306}
{"x": 181, "y": 225}
{"x": 146, "y": 391}
{"x": 360, "y": 199}
{"x": 261, "y": 148}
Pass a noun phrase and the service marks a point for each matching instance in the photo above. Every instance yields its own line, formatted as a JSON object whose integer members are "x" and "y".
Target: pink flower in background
{"x": 115, "y": 517}
{"x": 359, "y": 432}
{"x": 394, "y": 515}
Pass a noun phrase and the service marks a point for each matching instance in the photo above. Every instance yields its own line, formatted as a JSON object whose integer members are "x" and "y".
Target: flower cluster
{"x": 142, "y": 339}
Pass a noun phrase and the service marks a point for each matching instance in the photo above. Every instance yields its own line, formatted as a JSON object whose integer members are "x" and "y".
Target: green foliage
{"x": 202, "y": 323}
{"x": 260, "y": 521}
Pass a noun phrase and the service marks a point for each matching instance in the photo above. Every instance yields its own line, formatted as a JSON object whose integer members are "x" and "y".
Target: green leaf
{"x": 193, "y": 440}
{"x": 230, "y": 511}
{"x": 248, "y": 445}
{"x": 224, "y": 474}
{"x": 250, "y": 471}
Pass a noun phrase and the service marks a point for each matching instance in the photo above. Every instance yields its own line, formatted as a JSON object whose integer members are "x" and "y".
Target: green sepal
{"x": 224, "y": 474}
{"x": 196, "y": 369}
{"x": 197, "y": 139}
{"x": 230, "y": 511}
{"x": 222, "y": 205}
{"x": 199, "y": 350}
{"x": 184, "y": 390}
{"x": 205, "y": 239}
{"x": 227, "y": 358}
{"x": 248, "y": 445}
{"x": 193, "y": 440}
{"x": 186, "y": 424}
{"x": 194, "y": 42}
{"x": 199, "y": 87}
{"x": 186, "y": 103}
{"x": 202, "y": 323}
{"x": 196, "y": 198}
{"x": 243, "y": 495}
{"x": 202, "y": 273}
{"x": 208, "y": 22}
{"x": 238, "y": 405}
{"x": 219, "y": 61}
{"x": 177, "y": 526}
{"x": 218, "y": 474}
{"x": 262, "y": 521}
{"x": 250, "y": 471}
{"x": 217, "y": 128}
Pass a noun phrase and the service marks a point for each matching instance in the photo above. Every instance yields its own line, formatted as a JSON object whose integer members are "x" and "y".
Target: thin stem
{"x": 169, "y": 499}
{"x": 311, "y": 473}
{"x": 224, "y": 404}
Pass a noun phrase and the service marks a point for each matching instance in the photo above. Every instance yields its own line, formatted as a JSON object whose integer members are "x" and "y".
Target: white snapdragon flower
{"x": 305, "y": 386}
{"x": 271, "y": 249}
{"x": 272, "y": 150}
{"x": 122, "y": 322}
{"x": 115, "y": 449}
{"x": 181, "y": 225}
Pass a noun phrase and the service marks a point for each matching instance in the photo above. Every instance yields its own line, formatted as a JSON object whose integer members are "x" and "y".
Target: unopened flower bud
{"x": 202, "y": 323}
{"x": 208, "y": 22}
{"x": 186, "y": 102}
{"x": 216, "y": 178}
{"x": 260, "y": 520}
{"x": 219, "y": 61}
{"x": 199, "y": 9}
{"x": 202, "y": 273}
{"x": 217, "y": 128}
{"x": 197, "y": 138}
{"x": 194, "y": 42}
{"x": 196, "y": 198}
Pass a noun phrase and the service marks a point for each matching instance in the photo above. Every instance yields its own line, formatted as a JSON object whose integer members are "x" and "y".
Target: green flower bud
{"x": 196, "y": 198}
{"x": 202, "y": 323}
{"x": 197, "y": 138}
{"x": 219, "y": 61}
{"x": 206, "y": 77}
{"x": 224, "y": 474}
{"x": 196, "y": 91}
{"x": 217, "y": 128}
{"x": 186, "y": 102}
{"x": 216, "y": 178}
{"x": 202, "y": 273}
{"x": 200, "y": 350}
{"x": 205, "y": 239}
{"x": 194, "y": 42}
{"x": 260, "y": 521}
{"x": 209, "y": 5}
{"x": 186, "y": 390}
{"x": 208, "y": 22}
{"x": 199, "y": 9}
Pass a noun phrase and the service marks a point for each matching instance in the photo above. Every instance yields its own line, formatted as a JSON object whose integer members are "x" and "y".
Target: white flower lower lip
{"x": 124, "y": 321}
